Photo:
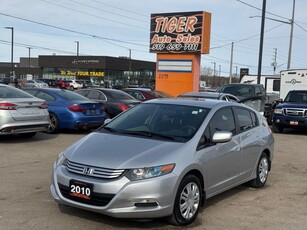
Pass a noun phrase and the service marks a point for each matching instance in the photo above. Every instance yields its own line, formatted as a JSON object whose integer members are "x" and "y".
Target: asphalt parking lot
{"x": 26, "y": 203}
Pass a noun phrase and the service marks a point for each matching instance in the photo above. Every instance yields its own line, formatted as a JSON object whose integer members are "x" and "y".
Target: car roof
{"x": 202, "y": 94}
{"x": 205, "y": 103}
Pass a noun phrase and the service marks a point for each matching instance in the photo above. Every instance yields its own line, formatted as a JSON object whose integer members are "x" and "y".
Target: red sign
{"x": 180, "y": 32}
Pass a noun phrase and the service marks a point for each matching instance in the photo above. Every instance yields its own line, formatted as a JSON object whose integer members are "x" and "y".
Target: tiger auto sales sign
{"x": 187, "y": 32}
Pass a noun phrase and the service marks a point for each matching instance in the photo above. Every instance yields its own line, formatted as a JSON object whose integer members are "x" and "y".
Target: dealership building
{"x": 100, "y": 70}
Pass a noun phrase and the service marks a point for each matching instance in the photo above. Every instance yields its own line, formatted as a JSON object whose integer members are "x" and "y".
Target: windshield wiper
{"x": 110, "y": 129}
{"x": 150, "y": 134}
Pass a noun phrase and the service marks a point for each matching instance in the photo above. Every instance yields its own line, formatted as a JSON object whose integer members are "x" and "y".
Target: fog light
{"x": 145, "y": 203}
{"x": 277, "y": 121}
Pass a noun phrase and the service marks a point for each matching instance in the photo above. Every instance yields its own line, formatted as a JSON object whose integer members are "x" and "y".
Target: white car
{"x": 73, "y": 84}
{"x": 36, "y": 84}
{"x": 21, "y": 113}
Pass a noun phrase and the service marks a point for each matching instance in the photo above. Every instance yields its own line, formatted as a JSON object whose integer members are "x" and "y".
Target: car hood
{"x": 121, "y": 151}
{"x": 291, "y": 105}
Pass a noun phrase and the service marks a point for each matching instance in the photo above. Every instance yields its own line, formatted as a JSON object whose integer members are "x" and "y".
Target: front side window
{"x": 223, "y": 120}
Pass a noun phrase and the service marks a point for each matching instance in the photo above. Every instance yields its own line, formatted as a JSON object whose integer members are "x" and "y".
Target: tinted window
{"x": 45, "y": 96}
{"x": 82, "y": 92}
{"x": 223, "y": 120}
{"x": 71, "y": 96}
{"x": 276, "y": 85}
{"x": 94, "y": 95}
{"x": 244, "y": 119}
{"x": 120, "y": 95}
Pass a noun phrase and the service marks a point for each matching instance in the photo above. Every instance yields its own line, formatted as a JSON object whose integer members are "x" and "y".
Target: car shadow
{"x": 157, "y": 223}
{"x": 40, "y": 136}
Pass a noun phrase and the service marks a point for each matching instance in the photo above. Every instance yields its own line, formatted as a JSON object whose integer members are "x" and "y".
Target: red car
{"x": 62, "y": 84}
{"x": 144, "y": 94}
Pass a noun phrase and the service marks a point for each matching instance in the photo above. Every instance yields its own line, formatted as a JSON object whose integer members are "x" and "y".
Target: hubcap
{"x": 263, "y": 169}
{"x": 189, "y": 200}
{"x": 52, "y": 125}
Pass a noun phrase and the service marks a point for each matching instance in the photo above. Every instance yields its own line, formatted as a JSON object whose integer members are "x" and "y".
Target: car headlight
{"x": 61, "y": 160}
{"x": 278, "y": 111}
{"x": 145, "y": 173}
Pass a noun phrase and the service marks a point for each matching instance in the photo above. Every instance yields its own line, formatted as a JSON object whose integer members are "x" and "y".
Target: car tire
{"x": 54, "y": 124}
{"x": 27, "y": 135}
{"x": 262, "y": 172}
{"x": 72, "y": 88}
{"x": 190, "y": 193}
{"x": 277, "y": 129}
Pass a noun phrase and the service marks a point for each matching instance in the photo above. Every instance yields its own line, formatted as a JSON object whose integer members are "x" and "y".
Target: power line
{"x": 245, "y": 39}
{"x": 81, "y": 12}
{"x": 115, "y": 7}
{"x": 35, "y": 47}
{"x": 73, "y": 31}
{"x": 276, "y": 15}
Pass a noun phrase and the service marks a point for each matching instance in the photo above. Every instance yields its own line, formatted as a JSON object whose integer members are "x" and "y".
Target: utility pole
{"x": 220, "y": 75}
{"x": 129, "y": 66}
{"x": 291, "y": 36}
{"x": 12, "y": 51}
{"x": 274, "y": 64}
{"x": 261, "y": 41}
{"x": 231, "y": 62}
{"x": 214, "y": 81}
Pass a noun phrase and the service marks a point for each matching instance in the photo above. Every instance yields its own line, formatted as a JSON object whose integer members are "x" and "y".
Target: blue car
{"x": 69, "y": 110}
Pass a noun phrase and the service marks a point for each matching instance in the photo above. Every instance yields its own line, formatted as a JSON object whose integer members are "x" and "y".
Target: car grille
{"x": 97, "y": 199}
{"x": 93, "y": 171}
{"x": 295, "y": 112}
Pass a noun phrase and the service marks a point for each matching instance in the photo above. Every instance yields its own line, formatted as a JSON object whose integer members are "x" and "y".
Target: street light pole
{"x": 77, "y": 57}
{"x": 12, "y": 50}
{"x": 29, "y": 64}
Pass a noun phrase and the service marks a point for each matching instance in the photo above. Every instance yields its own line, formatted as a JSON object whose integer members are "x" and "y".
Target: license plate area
{"x": 91, "y": 112}
{"x": 80, "y": 189}
{"x": 293, "y": 122}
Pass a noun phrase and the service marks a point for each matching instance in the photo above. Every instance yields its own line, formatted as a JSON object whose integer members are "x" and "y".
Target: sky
{"x": 113, "y": 27}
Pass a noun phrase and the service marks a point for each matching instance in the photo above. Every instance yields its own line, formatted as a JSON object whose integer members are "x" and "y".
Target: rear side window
{"x": 246, "y": 119}
{"x": 45, "y": 96}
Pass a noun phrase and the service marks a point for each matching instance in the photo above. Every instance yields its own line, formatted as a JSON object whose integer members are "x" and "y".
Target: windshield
{"x": 174, "y": 122}
{"x": 241, "y": 91}
{"x": 296, "y": 96}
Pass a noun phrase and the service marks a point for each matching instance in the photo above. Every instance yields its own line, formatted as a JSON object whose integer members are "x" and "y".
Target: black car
{"x": 114, "y": 101}
{"x": 5, "y": 80}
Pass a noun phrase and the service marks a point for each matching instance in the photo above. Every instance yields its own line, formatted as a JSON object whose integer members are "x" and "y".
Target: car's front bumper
{"x": 290, "y": 122}
{"x": 149, "y": 198}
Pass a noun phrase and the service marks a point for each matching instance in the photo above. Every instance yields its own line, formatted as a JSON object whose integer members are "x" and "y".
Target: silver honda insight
{"x": 163, "y": 158}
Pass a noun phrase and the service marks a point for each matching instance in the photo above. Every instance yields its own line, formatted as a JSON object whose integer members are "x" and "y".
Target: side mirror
{"x": 222, "y": 137}
{"x": 106, "y": 121}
